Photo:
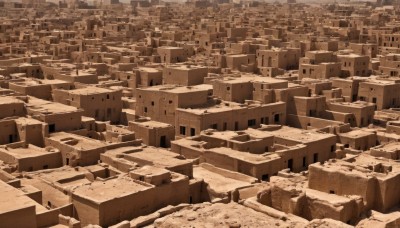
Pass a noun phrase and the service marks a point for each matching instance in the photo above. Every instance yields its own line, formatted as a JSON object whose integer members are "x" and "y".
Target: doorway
{"x": 163, "y": 141}
{"x": 290, "y": 164}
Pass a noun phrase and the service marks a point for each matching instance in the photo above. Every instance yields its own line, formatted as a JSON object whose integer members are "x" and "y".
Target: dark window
{"x": 333, "y": 148}
{"x": 276, "y": 118}
{"x": 225, "y": 126}
{"x": 315, "y": 157}
{"x": 304, "y": 161}
{"x": 236, "y": 126}
{"x": 251, "y": 122}
{"x": 163, "y": 141}
{"x": 52, "y": 128}
{"x": 45, "y": 167}
{"x": 214, "y": 126}
{"x": 265, "y": 177}
{"x": 331, "y": 192}
{"x": 192, "y": 132}
{"x": 10, "y": 139}
{"x": 182, "y": 130}
{"x": 290, "y": 164}
{"x": 145, "y": 109}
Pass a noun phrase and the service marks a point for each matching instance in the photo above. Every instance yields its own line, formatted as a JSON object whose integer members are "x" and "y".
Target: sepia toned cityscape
{"x": 199, "y": 113}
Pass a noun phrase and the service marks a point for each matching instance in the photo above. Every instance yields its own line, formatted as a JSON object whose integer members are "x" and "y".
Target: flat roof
{"x": 300, "y": 135}
{"x": 102, "y": 191}
{"x": 360, "y": 167}
{"x": 244, "y": 156}
{"x": 231, "y": 135}
{"x": 27, "y": 121}
{"x": 40, "y": 82}
{"x": 149, "y": 69}
{"x": 220, "y": 182}
{"x": 90, "y": 90}
{"x": 185, "y": 67}
{"x": 357, "y": 133}
{"x": 178, "y": 89}
{"x": 47, "y": 107}
{"x": 152, "y": 124}
{"x": 150, "y": 171}
{"x": 250, "y": 78}
{"x": 59, "y": 174}
{"x": 169, "y": 47}
{"x": 364, "y": 159}
{"x": 28, "y": 152}
{"x": 77, "y": 141}
{"x": 355, "y": 104}
{"x": 389, "y": 147}
{"x": 9, "y": 100}
{"x": 158, "y": 157}
{"x": 12, "y": 199}
{"x": 217, "y": 108}
{"x": 225, "y": 215}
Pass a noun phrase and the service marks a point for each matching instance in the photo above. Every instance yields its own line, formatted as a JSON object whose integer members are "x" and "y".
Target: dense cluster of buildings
{"x": 205, "y": 113}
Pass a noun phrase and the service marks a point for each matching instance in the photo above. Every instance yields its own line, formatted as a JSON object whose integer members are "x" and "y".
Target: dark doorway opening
{"x": 163, "y": 141}
{"x": 315, "y": 157}
{"x": 290, "y": 164}
{"x": 52, "y": 128}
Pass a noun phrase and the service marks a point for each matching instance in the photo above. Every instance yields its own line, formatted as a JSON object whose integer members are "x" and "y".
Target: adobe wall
{"x": 58, "y": 119}
{"x": 31, "y": 133}
{"x": 24, "y": 217}
{"x": 256, "y": 146}
{"x": 12, "y": 109}
{"x": 174, "y": 193}
{"x": 86, "y": 211}
{"x": 47, "y": 218}
{"x": 343, "y": 184}
{"x": 8, "y": 131}
{"x": 359, "y": 143}
{"x": 388, "y": 195}
{"x": 236, "y": 92}
{"x": 50, "y": 160}
{"x": 187, "y": 152}
{"x": 298, "y": 154}
{"x": 151, "y": 136}
{"x": 40, "y": 91}
{"x": 305, "y": 122}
